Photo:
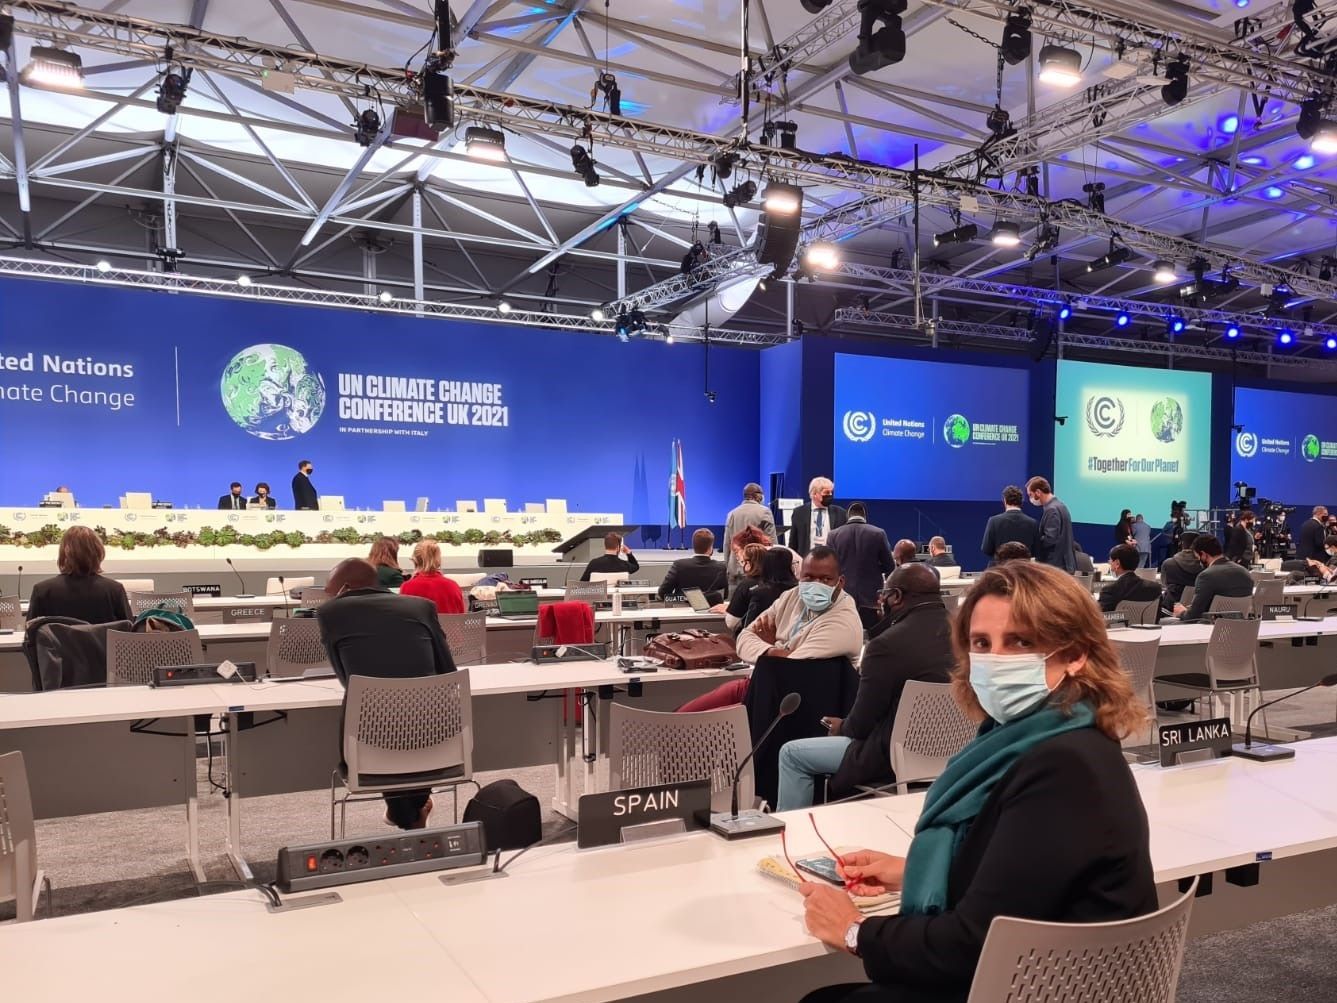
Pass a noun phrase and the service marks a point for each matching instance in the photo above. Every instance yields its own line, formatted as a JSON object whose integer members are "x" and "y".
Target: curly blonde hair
{"x": 1051, "y": 609}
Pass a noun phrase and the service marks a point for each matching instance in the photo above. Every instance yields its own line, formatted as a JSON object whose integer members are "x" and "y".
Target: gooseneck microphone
{"x": 243, "y": 594}
{"x": 19, "y": 589}
{"x": 752, "y": 823}
{"x": 1263, "y": 753}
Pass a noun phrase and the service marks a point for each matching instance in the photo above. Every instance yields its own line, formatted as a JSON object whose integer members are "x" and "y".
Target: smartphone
{"x": 821, "y": 867}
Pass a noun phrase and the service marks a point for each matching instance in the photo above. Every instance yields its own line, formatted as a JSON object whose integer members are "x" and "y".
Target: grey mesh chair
{"x": 1140, "y": 612}
{"x": 952, "y": 602}
{"x": 466, "y": 636}
{"x": 1262, "y": 576}
{"x": 1024, "y": 961}
{"x": 1138, "y": 659}
{"x": 1231, "y": 665}
{"x": 131, "y": 658}
{"x": 248, "y": 614}
{"x": 590, "y": 592}
{"x": 929, "y": 729}
{"x": 647, "y": 747}
{"x": 404, "y": 734}
{"x": 1148, "y": 574}
{"x": 11, "y": 613}
{"x": 1231, "y": 604}
{"x": 20, "y": 880}
{"x": 177, "y": 602}
{"x": 294, "y": 646}
{"x": 136, "y": 584}
{"x": 1268, "y": 593}
{"x": 1186, "y": 599}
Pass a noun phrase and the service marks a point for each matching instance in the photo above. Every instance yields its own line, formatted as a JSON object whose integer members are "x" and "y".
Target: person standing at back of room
{"x": 811, "y": 523}
{"x": 303, "y": 491}
{"x": 751, "y": 513}
{"x": 1142, "y": 539}
{"x": 864, "y": 553}
{"x": 1011, "y": 525}
{"x": 1053, "y": 544}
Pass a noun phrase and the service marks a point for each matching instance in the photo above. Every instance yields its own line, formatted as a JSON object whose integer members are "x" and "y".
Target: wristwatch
{"x": 852, "y": 938}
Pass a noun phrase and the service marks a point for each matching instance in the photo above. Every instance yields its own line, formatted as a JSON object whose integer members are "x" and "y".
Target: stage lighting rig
{"x": 723, "y": 164}
{"x": 53, "y": 67}
{"x": 740, "y": 194}
{"x": 438, "y": 93}
{"x": 785, "y": 132}
{"x": 999, "y": 122}
{"x": 1095, "y": 196}
{"x": 606, "y": 84}
{"x": 1060, "y": 65}
{"x": 961, "y": 235}
{"x": 583, "y": 164}
{"x": 1045, "y": 241}
{"x": 367, "y": 127}
{"x": 879, "y": 47}
{"x": 1016, "y": 44}
{"x": 629, "y": 322}
{"x": 1117, "y": 255}
{"x": 1176, "y": 86}
{"x": 696, "y": 256}
{"x": 172, "y": 90}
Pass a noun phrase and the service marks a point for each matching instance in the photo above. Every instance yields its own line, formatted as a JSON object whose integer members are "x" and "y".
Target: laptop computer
{"x": 697, "y": 599}
{"x": 517, "y": 605}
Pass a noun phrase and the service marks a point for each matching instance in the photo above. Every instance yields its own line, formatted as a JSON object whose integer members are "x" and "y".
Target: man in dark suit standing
{"x": 1127, "y": 587}
{"x": 368, "y": 631}
{"x": 697, "y": 571}
{"x": 864, "y": 553}
{"x": 811, "y": 523}
{"x": 1219, "y": 577}
{"x": 234, "y": 500}
{"x": 1309, "y": 539}
{"x": 1053, "y": 540}
{"x": 1239, "y": 544}
{"x": 303, "y": 491}
{"x": 1008, "y": 526}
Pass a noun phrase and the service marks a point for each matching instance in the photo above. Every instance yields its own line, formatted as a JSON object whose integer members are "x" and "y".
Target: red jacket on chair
{"x": 567, "y": 622}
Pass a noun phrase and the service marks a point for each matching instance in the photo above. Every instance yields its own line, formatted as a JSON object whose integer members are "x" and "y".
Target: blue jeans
{"x": 802, "y": 760}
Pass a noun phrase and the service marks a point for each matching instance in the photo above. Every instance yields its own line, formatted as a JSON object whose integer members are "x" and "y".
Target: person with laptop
{"x": 617, "y": 559}
{"x": 234, "y": 500}
{"x": 262, "y": 498}
{"x": 1219, "y": 577}
{"x": 368, "y": 631}
{"x": 698, "y": 571}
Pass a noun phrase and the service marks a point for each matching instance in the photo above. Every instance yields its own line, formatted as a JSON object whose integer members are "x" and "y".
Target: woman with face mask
{"x": 1037, "y": 818}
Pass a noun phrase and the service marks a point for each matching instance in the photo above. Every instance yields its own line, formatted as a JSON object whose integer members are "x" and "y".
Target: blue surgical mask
{"x": 1009, "y": 686}
{"x": 816, "y": 596}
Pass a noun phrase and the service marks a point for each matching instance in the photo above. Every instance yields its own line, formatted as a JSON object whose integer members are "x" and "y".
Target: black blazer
{"x": 865, "y": 559}
{"x": 1239, "y": 546}
{"x": 303, "y": 492}
{"x": 800, "y": 526}
{"x": 762, "y": 597}
{"x": 606, "y": 564}
{"x": 1062, "y": 838}
{"x": 1009, "y": 526}
{"x": 1309, "y": 541}
{"x": 225, "y": 502}
{"x": 268, "y": 501}
{"x": 943, "y": 561}
{"x": 1128, "y": 587}
{"x": 1223, "y": 578}
{"x": 917, "y": 645}
{"x": 1178, "y": 573}
{"x": 90, "y": 598}
{"x": 370, "y": 632}
{"x": 696, "y": 572}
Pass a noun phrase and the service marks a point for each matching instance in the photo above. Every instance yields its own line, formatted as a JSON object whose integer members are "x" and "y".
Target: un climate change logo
{"x": 1105, "y": 416}
{"x": 271, "y": 392}
{"x": 1309, "y": 448}
{"x": 859, "y": 426}
{"x": 1246, "y": 444}
{"x": 956, "y": 430}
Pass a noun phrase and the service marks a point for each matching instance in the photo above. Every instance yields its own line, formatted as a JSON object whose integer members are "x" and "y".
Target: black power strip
{"x": 346, "y": 861}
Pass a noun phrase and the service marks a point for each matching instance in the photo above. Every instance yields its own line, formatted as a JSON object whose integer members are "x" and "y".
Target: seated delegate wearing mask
{"x": 816, "y": 620}
{"x": 1037, "y": 818}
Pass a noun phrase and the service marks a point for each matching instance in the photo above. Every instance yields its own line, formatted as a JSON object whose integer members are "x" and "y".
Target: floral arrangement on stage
{"x": 50, "y": 535}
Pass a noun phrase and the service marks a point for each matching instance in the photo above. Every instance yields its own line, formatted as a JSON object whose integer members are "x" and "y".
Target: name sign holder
{"x": 1285, "y": 612}
{"x": 1113, "y": 621}
{"x": 1191, "y": 741}
{"x": 643, "y": 813}
{"x": 213, "y": 591}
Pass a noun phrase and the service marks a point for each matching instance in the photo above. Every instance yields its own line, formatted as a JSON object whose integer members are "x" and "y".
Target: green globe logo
{"x": 1309, "y": 448}
{"x": 271, "y": 392}
{"x": 956, "y": 431}
{"x": 1167, "y": 419}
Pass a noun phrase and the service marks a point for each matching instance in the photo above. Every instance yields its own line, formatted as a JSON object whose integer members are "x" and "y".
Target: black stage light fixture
{"x": 367, "y": 127}
{"x": 6, "y": 30}
{"x": 1116, "y": 256}
{"x": 1176, "y": 87}
{"x": 788, "y": 135}
{"x": 172, "y": 90}
{"x": 778, "y": 226}
{"x": 1095, "y": 196}
{"x": 883, "y": 46}
{"x": 740, "y": 194}
{"x": 1060, "y": 65}
{"x": 961, "y": 235}
{"x": 1016, "y": 44}
{"x": 696, "y": 256}
{"x": 483, "y": 143}
{"x": 1325, "y": 270}
{"x": 438, "y": 97}
{"x": 1311, "y": 116}
{"x": 607, "y": 83}
{"x": 48, "y": 65}
{"x": 583, "y": 164}
{"x": 723, "y": 164}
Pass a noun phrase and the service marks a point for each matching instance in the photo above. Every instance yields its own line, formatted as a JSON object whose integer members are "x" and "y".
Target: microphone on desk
{"x": 243, "y": 594}
{"x": 19, "y": 590}
{"x": 1265, "y": 753}
{"x": 732, "y": 824}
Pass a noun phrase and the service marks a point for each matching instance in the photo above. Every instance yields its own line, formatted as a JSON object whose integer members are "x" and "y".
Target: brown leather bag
{"x": 692, "y": 649}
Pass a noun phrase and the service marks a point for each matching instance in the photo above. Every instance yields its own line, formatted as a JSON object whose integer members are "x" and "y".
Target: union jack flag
{"x": 677, "y": 489}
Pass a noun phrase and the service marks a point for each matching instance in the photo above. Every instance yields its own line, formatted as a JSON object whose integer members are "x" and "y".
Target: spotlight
{"x": 668, "y": 338}
{"x": 787, "y": 132}
{"x": 961, "y": 235}
{"x": 367, "y": 127}
{"x": 504, "y": 306}
{"x": 723, "y": 164}
{"x": 484, "y": 144}
{"x": 1164, "y": 272}
{"x": 1325, "y": 138}
{"x": 740, "y": 194}
{"x": 54, "y": 67}
{"x": 243, "y": 281}
{"x": 822, "y": 257}
{"x": 385, "y": 296}
{"x": 1064, "y": 312}
{"x": 1005, "y": 234}
{"x": 1122, "y": 320}
{"x": 598, "y": 315}
{"x": 1016, "y": 44}
{"x": 1175, "y": 325}
{"x": 583, "y": 164}
{"x": 781, "y": 199}
{"x": 1330, "y": 343}
{"x": 629, "y": 322}
{"x": 1325, "y": 270}
{"x": 104, "y": 266}
{"x": 696, "y": 256}
{"x": 1095, "y": 196}
{"x": 607, "y": 83}
{"x": 1176, "y": 87}
{"x": 172, "y": 90}
{"x": 1060, "y": 66}
{"x": 1285, "y": 338}
{"x": 884, "y": 46}
{"x": 1116, "y": 256}
{"x": 1232, "y": 332}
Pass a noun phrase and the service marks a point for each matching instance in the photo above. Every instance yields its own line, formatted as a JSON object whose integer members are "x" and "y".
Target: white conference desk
{"x": 661, "y": 918}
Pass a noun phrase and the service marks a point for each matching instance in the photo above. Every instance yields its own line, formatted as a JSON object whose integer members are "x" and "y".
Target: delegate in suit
{"x": 811, "y": 523}
{"x": 697, "y": 571}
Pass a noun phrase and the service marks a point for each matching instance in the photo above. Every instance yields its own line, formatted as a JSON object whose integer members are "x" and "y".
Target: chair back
{"x": 1140, "y": 612}
{"x": 11, "y": 613}
{"x": 929, "y": 729}
{"x": 1262, "y": 576}
{"x": 294, "y": 646}
{"x": 610, "y": 577}
{"x": 314, "y": 595}
{"x": 1231, "y": 604}
{"x": 131, "y": 657}
{"x": 1187, "y": 597}
{"x": 466, "y": 636}
{"x": 136, "y": 584}
{"x": 1138, "y": 659}
{"x": 18, "y": 837}
{"x": 1232, "y": 653}
{"x": 590, "y": 592}
{"x": 1084, "y": 581}
{"x": 951, "y": 571}
{"x": 647, "y": 747}
{"x": 1268, "y": 593}
{"x": 412, "y": 732}
{"x": 1148, "y": 574}
{"x": 952, "y": 601}
{"x": 177, "y": 602}
{"x": 274, "y": 587}
{"x": 1025, "y": 961}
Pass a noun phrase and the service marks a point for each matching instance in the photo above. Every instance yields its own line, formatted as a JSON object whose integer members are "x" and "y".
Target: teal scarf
{"x": 960, "y": 793}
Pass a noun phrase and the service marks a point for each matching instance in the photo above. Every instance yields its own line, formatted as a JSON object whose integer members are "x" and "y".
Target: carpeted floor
{"x": 1290, "y": 958}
